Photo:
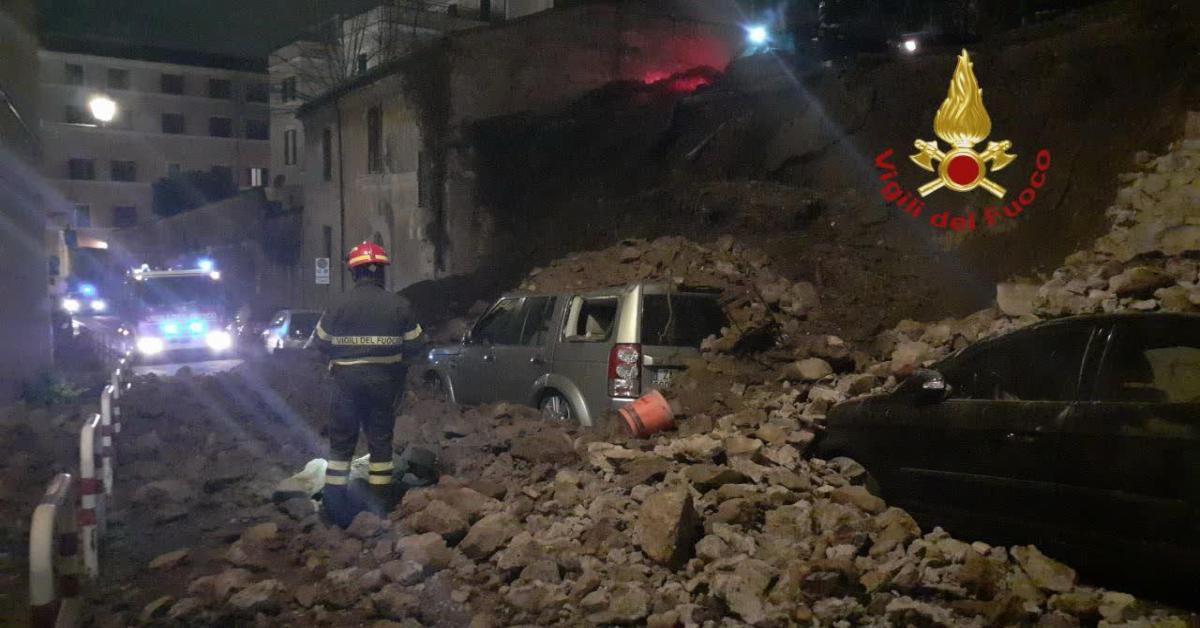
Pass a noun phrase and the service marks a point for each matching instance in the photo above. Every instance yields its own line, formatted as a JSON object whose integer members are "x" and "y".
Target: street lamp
{"x": 757, "y": 34}
{"x": 103, "y": 108}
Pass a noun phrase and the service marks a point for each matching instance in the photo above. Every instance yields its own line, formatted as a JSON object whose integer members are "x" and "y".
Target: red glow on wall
{"x": 681, "y": 83}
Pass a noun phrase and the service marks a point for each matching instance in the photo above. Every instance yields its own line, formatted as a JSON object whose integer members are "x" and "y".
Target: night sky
{"x": 233, "y": 27}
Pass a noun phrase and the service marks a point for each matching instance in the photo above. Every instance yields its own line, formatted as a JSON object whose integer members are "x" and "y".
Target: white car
{"x": 289, "y": 329}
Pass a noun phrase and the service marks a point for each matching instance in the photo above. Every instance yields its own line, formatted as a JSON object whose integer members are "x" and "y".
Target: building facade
{"x": 389, "y": 154}
{"x": 25, "y": 316}
{"x": 174, "y": 114}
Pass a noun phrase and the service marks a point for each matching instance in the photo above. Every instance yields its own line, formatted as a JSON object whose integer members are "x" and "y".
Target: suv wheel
{"x": 555, "y": 407}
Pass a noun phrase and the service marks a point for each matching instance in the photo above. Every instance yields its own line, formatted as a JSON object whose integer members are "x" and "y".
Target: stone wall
{"x": 545, "y": 61}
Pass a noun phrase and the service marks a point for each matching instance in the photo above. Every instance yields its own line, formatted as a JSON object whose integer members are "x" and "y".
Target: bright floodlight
{"x": 71, "y": 305}
{"x": 149, "y": 345}
{"x": 99, "y": 305}
{"x": 103, "y": 108}
{"x": 218, "y": 340}
{"x": 756, "y": 35}
{"x": 206, "y": 265}
{"x": 910, "y": 45}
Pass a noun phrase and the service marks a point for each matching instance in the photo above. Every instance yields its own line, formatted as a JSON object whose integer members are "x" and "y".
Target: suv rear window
{"x": 680, "y": 320}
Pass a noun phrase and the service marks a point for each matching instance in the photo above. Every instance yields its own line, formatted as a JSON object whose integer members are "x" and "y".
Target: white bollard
{"x": 54, "y": 557}
{"x": 91, "y": 497}
{"x": 107, "y": 453}
{"x": 116, "y": 401}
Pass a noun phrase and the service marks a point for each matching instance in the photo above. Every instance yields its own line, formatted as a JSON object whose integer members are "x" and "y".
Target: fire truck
{"x": 178, "y": 311}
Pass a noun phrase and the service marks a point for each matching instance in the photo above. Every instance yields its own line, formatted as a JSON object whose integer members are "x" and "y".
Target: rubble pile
{"x": 1147, "y": 261}
{"x": 721, "y": 522}
{"x": 759, "y": 300}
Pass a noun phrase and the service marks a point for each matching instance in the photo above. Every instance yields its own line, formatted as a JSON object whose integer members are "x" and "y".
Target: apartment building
{"x": 115, "y": 121}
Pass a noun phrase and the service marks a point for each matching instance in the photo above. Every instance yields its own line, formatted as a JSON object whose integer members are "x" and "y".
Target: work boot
{"x": 339, "y": 506}
{"x": 386, "y": 496}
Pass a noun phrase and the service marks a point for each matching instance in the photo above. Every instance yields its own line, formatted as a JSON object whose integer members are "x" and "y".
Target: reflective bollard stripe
{"x": 107, "y": 454}
{"x": 91, "y": 497}
{"x": 54, "y": 557}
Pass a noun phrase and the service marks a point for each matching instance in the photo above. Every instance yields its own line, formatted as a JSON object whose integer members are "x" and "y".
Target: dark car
{"x": 1080, "y": 435}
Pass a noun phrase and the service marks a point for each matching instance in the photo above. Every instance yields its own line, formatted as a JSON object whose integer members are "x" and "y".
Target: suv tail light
{"x": 625, "y": 370}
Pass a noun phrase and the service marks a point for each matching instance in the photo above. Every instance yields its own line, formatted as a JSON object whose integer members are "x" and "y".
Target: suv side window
{"x": 502, "y": 325}
{"x": 590, "y": 319}
{"x": 1037, "y": 365}
{"x": 1151, "y": 362}
{"x": 538, "y": 313}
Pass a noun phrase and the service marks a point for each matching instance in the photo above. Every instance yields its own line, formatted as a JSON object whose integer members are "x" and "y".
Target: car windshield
{"x": 304, "y": 322}
{"x": 161, "y": 292}
{"x": 680, "y": 320}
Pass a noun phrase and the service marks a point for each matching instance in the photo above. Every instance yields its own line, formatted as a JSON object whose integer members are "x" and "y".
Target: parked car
{"x": 289, "y": 329}
{"x": 1080, "y": 435}
{"x": 577, "y": 356}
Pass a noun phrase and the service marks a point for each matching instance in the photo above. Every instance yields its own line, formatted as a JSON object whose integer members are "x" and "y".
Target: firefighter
{"x": 365, "y": 334}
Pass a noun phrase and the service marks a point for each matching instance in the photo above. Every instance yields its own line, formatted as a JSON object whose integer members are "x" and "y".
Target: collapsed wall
{"x": 795, "y": 143}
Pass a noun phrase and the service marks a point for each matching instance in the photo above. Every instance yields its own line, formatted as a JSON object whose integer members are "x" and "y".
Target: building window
{"x": 124, "y": 216}
{"x": 258, "y": 92}
{"x": 257, "y": 177}
{"x": 224, "y": 173}
{"x": 73, "y": 74}
{"x": 375, "y": 139}
{"x": 172, "y": 84}
{"x": 289, "y": 147}
{"x": 258, "y": 130}
{"x": 118, "y": 79}
{"x": 327, "y": 154}
{"x": 75, "y": 115}
{"x": 124, "y": 170}
{"x": 81, "y": 169}
{"x": 174, "y": 170}
{"x": 287, "y": 90}
{"x": 220, "y": 127}
{"x": 83, "y": 216}
{"x": 220, "y": 88}
{"x": 173, "y": 123}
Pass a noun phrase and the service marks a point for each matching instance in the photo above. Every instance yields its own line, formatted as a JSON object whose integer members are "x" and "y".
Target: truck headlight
{"x": 218, "y": 340}
{"x": 71, "y": 305}
{"x": 150, "y": 345}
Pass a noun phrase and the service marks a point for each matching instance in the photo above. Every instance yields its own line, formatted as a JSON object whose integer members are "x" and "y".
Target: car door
{"x": 473, "y": 373}
{"x": 1132, "y": 450}
{"x": 985, "y": 459}
{"x": 585, "y": 340}
{"x": 520, "y": 364}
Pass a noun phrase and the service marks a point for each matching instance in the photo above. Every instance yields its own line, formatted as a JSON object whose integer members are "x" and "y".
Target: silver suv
{"x": 577, "y": 356}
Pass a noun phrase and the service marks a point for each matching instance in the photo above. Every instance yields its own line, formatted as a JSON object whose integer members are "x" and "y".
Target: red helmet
{"x": 367, "y": 253}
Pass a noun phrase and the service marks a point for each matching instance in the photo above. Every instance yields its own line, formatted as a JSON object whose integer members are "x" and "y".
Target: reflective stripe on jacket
{"x": 367, "y": 325}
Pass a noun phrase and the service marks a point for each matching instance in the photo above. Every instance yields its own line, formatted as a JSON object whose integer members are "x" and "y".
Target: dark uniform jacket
{"x": 367, "y": 326}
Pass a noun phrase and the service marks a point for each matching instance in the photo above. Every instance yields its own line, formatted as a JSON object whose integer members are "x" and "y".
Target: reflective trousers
{"x": 362, "y": 399}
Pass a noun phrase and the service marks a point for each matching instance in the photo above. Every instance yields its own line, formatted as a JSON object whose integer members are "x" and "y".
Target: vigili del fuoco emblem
{"x": 962, "y": 122}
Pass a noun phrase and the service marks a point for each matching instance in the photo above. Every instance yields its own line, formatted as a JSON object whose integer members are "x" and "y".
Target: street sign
{"x": 322, "y": 274}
